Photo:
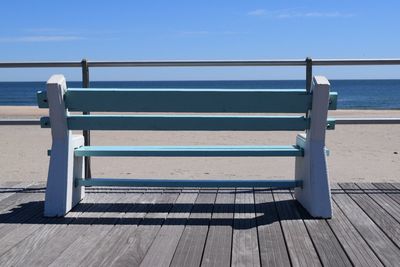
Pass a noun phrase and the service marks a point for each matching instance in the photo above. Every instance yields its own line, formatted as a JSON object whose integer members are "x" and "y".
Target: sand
{"x": 359, "y": 153}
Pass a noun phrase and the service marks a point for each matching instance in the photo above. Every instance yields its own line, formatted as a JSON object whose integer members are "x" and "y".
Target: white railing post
{"x": 315, "y": 194}
{"x": 61, "y": 194}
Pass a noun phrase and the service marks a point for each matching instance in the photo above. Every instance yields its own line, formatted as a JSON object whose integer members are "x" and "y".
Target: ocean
{"x": 353, "y": 94}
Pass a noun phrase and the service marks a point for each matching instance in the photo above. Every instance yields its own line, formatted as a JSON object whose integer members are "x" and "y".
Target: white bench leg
{"x": 315, "y": 194}
{"x": 61, "y": 193}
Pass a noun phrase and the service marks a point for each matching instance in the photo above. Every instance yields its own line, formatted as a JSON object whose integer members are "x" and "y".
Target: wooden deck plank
{"x": 217, "y": 251}
{"x": 273, "y": 250}
{"x": 383, "y": 247}
{"x": 191, "y": 245}
{"x": 325, "y": 242}
{"x": 28, "y": 238}
{"x": 381, "y": 218}
{"x": 352, "y": 242}
{"x": 300, "y": 246}
{"x": 145, "y": 233}
{"x": 28, "y": 207}
{"x": 383, "y": 200}
{"x": 163, "y": 229}
{"x": 164, "y": 245}
{"x": 10, "y": 188}
{"x": 25, "y": 196}
{"x": 390, "y": 190}
{"x": 245, "y": 250}
{"x": 76, "y": 240}
{"x": 121, "y": 235}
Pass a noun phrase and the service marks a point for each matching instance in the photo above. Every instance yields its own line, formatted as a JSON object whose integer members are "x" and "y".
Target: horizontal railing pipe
{"x": 40, "y": 64}
{"x": 203, "y": 63}
{"x": 337, "y": 120}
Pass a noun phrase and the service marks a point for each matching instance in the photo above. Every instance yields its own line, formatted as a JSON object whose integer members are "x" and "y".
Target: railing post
{"x": 308, "y": 74}
{"x": 308, "y": 77}
{"x": 86, "y": 133}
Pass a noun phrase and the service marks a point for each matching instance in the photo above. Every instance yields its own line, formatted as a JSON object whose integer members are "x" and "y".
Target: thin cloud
{"x": 194, "y": 32}
{"x": 257, "y": 12}
{"x": 199, "y": 33}
{"x": 37, "y": 39}
{"x": 287, "y": 14}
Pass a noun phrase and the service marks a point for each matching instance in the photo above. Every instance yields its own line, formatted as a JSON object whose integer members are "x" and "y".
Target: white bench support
{"x": 315, "y": 195}
{"x": 61, "y": 194}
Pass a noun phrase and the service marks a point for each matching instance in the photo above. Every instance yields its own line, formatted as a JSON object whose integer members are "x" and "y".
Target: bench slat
{"x": 188, "y": 100}
{"x": 189, "y": 151}
{"x": 41, "y": 97}
{"x": 42, "y": 100}
{"x": 197, "y": 123}
{"x": 188, "y": 123}
{"x": 188, "y": 183}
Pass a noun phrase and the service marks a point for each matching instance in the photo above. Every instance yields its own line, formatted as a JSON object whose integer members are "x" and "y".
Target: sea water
{"x": 353, "y": 94}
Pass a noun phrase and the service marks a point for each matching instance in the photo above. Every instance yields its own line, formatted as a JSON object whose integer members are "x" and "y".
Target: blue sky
{"x": 218, "y": 29}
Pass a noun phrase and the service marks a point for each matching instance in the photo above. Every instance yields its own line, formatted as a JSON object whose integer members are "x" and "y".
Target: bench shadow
{"x": 32, "y": 213}
{"x": 239, "y": 216}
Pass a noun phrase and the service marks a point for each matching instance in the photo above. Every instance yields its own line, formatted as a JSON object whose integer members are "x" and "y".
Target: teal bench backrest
{"x": 188, "y": 101}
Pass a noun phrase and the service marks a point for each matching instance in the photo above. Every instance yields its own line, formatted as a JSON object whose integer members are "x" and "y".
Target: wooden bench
{"x": 66, "y": 183}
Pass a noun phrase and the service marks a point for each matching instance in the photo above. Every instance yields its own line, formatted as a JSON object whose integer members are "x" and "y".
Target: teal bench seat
{"x": 187, "y": 110}
{"x": 189, "y": 151}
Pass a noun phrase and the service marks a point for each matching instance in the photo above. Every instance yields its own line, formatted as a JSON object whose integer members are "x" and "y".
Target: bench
{"x": 66, "y": 182}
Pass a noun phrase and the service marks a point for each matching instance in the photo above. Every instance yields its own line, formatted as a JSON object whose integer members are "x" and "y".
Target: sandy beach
{"x": 359, "y": 153}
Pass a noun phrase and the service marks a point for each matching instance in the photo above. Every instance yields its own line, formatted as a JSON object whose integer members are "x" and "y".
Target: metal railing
{"x": 308, "y": 63}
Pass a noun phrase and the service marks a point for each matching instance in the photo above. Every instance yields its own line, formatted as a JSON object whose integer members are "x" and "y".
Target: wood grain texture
{"x": 245, "y": 251}
{"x": 299, "y": 244}
{"x": 191, "y": 245}
{"x": 383, "y": 247}
{"x": 94, "y": 227}
{"x": 166, "y": 241}
{"x": 144, "y": 235}
{"x": 273, "y": 250}
{"x": 114, "y": 244}
{"x": 217, "y": 251}
{"x": 385, "y": 220}
{"x": 161, "y": 227}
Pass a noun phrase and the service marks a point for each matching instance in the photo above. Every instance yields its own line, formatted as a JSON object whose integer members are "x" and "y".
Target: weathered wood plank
{"x": 87, "y": 229}
{"x": 352, "y": 242}
{"x": 10, "y": 188}
{"x": 325, "y": 242}
{"x": 381, "y": 218}
{"x": 144, "y": 235}
{"x": 298, "y": 241}
{"x": 217, "y": 251}
{"x": 191, "y": 245}
{"x": 31, "y": 193}
{"x": 273, "y": 250}
{"x": 245, "y": 250}
{"x": 27, "y": 207}
{"x": 383, "y": 247}
{"x": 164, "y": 245}
{"x": 88, "y": 236}
{"x": 383, "y": 200}
{"x": 25, "y": 241}
{"x": 390, "y": 190}
{"x": 121, "y": 235}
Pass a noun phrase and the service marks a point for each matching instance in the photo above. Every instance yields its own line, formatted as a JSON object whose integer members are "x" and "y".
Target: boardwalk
{"x": 210, "y": 227}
